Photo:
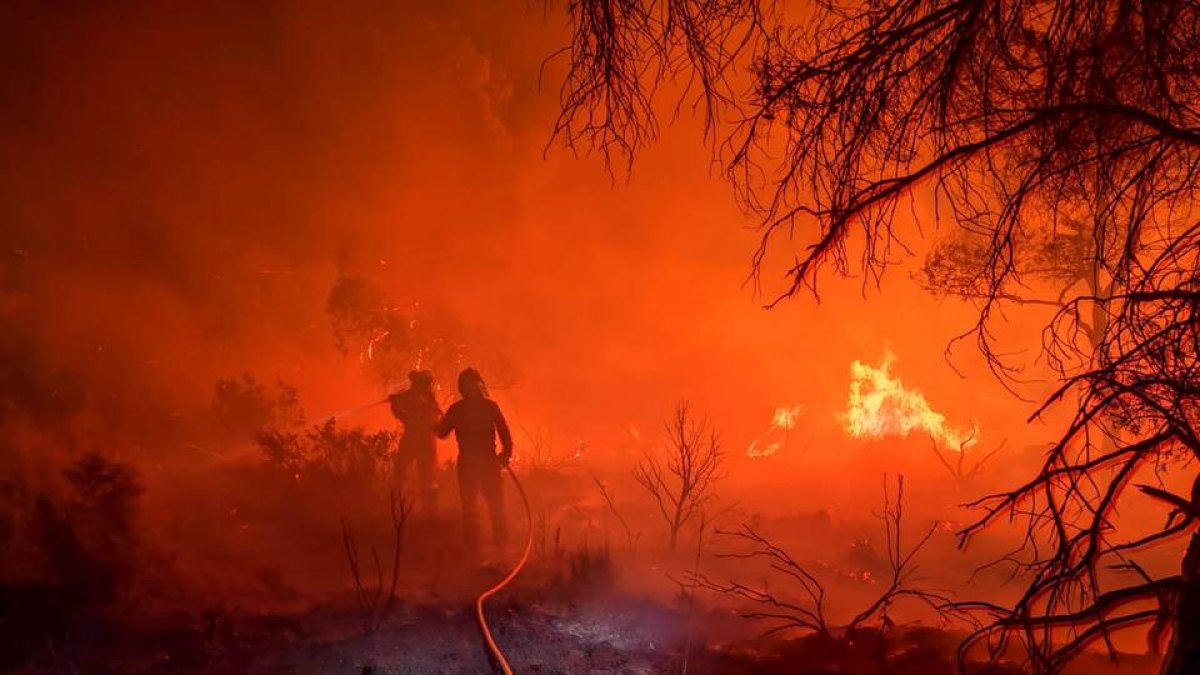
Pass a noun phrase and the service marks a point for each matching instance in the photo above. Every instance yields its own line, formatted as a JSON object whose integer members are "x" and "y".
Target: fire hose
{"x": 494, "y": 649}
{"x": 489, "y": 640}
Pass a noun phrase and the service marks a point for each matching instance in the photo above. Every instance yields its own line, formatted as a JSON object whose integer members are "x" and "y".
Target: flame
{"x": 776, "y": 436}
{"x": 880, "y": 405}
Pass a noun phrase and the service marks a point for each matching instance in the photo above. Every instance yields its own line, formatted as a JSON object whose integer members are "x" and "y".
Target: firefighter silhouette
{"x": 477, "y": 422}
{"x": 417, "y": 408}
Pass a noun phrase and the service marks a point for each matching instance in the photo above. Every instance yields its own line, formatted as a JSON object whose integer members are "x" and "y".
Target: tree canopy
{"x": 1031, "y": 126}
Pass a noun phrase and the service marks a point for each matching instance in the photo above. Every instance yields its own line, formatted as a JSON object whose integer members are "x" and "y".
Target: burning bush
{"x": 389, "y": 340}
{"x": 391, "y": 337}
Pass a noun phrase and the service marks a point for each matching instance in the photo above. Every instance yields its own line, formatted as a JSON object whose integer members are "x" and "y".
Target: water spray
{"x": 353, "y": 411}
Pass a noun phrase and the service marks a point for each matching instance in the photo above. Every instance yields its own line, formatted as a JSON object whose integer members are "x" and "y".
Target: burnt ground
{"x": 614, "y": 635}
{"x": 245, "y": 585}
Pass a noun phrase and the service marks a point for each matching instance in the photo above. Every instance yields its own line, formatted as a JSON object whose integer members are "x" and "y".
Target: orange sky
{"x": 182, "y": 184}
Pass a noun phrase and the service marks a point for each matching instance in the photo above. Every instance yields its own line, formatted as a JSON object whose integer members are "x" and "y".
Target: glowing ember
{"x": 370, "y": 351}
{"x": 776, "y": 436}
{"x": 786, "y": 417}
{"x": 880, "y": 405}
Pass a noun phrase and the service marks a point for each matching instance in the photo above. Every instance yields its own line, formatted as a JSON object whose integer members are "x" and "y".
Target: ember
{"x": 776, "y": 436}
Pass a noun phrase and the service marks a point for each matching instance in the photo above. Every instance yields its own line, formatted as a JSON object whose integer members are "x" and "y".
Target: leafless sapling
{"x": 631, "y": 537}
{"x": 681, "y": 481}
{"x": 377, "y": 601}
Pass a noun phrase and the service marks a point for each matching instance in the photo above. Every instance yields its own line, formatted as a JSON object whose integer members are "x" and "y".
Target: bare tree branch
{"x": 681, "y": 482}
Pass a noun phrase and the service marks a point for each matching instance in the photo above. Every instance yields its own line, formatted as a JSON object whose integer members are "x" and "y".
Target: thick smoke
{"x": 225, "y": 223}
{"x": 220, "y": 215}
{"x": 183, "y": 189}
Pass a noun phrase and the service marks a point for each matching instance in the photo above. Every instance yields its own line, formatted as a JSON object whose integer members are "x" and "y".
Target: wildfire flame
{"x": 880, "y": 405}
{"x": 776, "y": 436}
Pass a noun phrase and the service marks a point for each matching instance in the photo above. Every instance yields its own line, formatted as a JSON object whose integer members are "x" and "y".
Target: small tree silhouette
{"x": 375, "y": 602}
{"x": 681, "y": 482}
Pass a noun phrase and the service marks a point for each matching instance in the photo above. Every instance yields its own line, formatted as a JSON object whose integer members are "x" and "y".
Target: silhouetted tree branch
{"x": 622, "y": 51}
{"x": 1024, "y": 123}
{"x": 376, "y": 602}
{"x": 631, "y": 537}
{"x": 808, "y": 612}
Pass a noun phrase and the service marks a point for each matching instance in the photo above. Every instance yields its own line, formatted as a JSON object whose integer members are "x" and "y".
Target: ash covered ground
{"x": 256, "y": 578}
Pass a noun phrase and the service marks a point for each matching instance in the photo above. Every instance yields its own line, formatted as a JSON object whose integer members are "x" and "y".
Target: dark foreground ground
{"x": 250, "y": 585}
{"x": 614, "y": 635}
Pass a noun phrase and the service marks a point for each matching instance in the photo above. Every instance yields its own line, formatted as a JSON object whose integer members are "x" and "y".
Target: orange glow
{"x": 880, "y": 405}
{"x": 326, "y": 200}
